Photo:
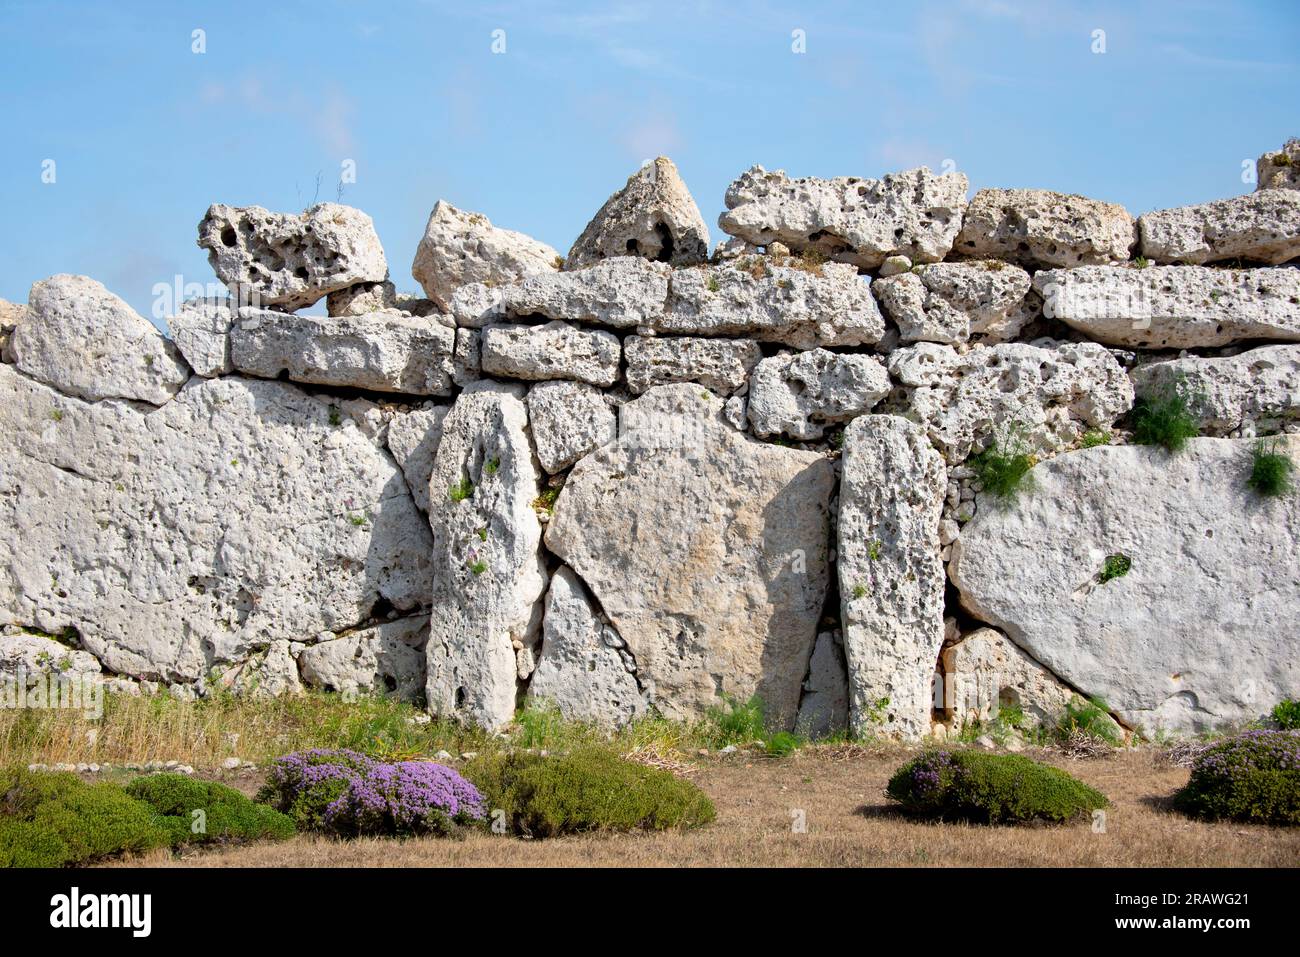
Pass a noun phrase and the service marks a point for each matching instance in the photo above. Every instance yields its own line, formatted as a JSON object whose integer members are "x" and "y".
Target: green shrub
{"x": 1253, "y": 777}
{"x": 736, "y": 722}
{"x": 1094, "y": 438}
{"x": 1091, "y": 717}
{"x": 1115, "y": 566}
{"x": 587, "y": 790}
{"x": 1270, "y": 470}
{"x": 1163, "y": 418}
{"x": 48, "y": 819}
{"x": 227, "y": 814}
{"x": 990, "y": 788}
{"x": 1003, "y": 467}
{"x": 1286, "y": 714}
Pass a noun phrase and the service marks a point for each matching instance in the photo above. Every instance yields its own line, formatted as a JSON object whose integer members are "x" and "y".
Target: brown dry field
{"x": 849, "y": 824}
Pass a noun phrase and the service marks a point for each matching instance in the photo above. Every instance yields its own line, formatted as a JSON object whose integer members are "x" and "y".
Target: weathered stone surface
{"x": 986, "y": 671}
{"x": 653, "y": 216}
{"x": 1195, "y": 635}
{"x": 84, "y": 341}
{"x": 1051, "y": 393}
{"x": 721, "y": 365}
{"x": 1174, "y": 307}
{"x": 953, "y": 302}
{"x": 831, "y": 306}
{"x": 11, "y": 314}
{"x": 568, "y": 420}
{"x": 460, "y": 248}
{"x": 269, "y": 673}
{"x": 383, "y": 351}
{"x": 1263, "y": 226}
{"x": 622, "y": 293}
{"x": 200, "y": 329}
{"x": 386, "y": 659}
{"x": 362, "y": 298}
{"x": 582, "y": 668}
{"x": 30, "y": 658}
{"x": 234, "y": 516}
{"x": 797, "y": 395}
{"x": 706, "y": 549}
{"x": 555, "y": 350}
{"x": 488, "y": 572}
{"x": 824, "y": 708}
{"x": 847, "y": 219}
{"x": 1258, "y": 390}
{"x": 1038, "y": 228}
{"x": 1279, "y": 169}
{"x": 892, "y": 488}
{"x": 413, "y": 439}
{"x": 290, "y": 260}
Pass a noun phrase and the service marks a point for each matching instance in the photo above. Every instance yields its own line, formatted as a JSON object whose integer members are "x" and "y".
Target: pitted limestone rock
{"x": 460, "y": 248}
{"x": 652, "y": 216}
{"x": 1174, "y": 307}
{"x": 582, "y": 668}
{"x": 1255, "y": 391}
{"x": 1049, "y": 393}
{"x": 413, "y": 439}
{"x": 890, "y": 574}
{"x": 289, "y": 260}
{"x": 384, "y": 351}
{"x": 489, "y": 575}
{"x": 386, "y": 659}
{"x": 84, "y": 341}
{"x": 847, "y": 219}
{"x": 986, "y": 671}
{"x": 1188, "y": 639}
{"x": 196, "y": 534}
{"x": 568, "y": 420}
{"x": 721, "y": 365}
{"x": 954, "y": 302}
{"x": 824, "y": 708}
{"x": 1038, "y": 228}
{"x": 1279, "y": 169}
{"x": 1263, "y": 226}
{"x": 797, "y": 395}
{"x": 706, "y": 549}
{"x": 555, "y": 350}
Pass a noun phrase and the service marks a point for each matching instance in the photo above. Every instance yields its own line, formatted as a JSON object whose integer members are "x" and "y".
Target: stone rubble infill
{"x": 1257, "y": 391}
{"x": 459, "y": 248}
{"x": 860, "y": 221}
{"x": 1048, "y": 392}
{"x": 555, "y": 350}
{"x": 1263, "y": 226}
{"x": 654, "y": 216}
{"x": 720, "y": 365}
{"x": 1174, "y": 307}
{"x": 1279, "y": 169}
{"x": 951, "y": 302}
{"x": 1037, "y": 228}
{"x": 798, "y": 395}
{"x": 383, "y": 351}
{"x": 1189, "y": 638}
{"x": 288, "y": 260}
{"x": 79, "y": 338}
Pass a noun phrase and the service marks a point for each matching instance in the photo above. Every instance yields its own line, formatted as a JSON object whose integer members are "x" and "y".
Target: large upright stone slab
{"x": 461, "y": 247}
{"x": 706, "y": 549}
{"x": 653, "y": 216}
{"x": 1197, "y": 635}
{"x": 1263, "y": 226}
{"x": 235, "y": 516}
{"x": 1038, "y": 228}
{"x": 1174, "y": 307}
{"x": 84, "y": 341}
{"x": 891, "y": 577}
{"x": 288, "y": 260}
{"x": 860, "y": 221}
{"x": 488, "y": 572}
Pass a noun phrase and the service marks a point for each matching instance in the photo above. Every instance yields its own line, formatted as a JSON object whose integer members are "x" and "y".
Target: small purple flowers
{"x": 1253, "y": 776}
{"x": 348, "y": 793}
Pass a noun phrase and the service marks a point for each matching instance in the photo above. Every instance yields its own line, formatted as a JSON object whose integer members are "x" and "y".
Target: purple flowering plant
{"x": 348, "y": 793}
{"x": 1253, "y": 776}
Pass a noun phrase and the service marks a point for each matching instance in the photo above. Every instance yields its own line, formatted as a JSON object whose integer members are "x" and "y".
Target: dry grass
{"x": 849, "y": 823}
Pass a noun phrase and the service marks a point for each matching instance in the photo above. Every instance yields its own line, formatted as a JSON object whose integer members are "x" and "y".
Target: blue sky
{"x": 145, "y": 133}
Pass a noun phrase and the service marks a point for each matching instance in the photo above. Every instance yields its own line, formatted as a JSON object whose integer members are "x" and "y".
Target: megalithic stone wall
{"x": 643, "y": 478}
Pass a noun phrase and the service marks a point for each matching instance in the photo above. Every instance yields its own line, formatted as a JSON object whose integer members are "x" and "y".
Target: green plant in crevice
{"x": 1270, "y": 470}
{"x": 1115, "y": 566}
{"x": 1092, "y": 439}
{"x": 461, "y": 490}
{"x": 1003, "y": 467}
{"x": 1164, "y": 418}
